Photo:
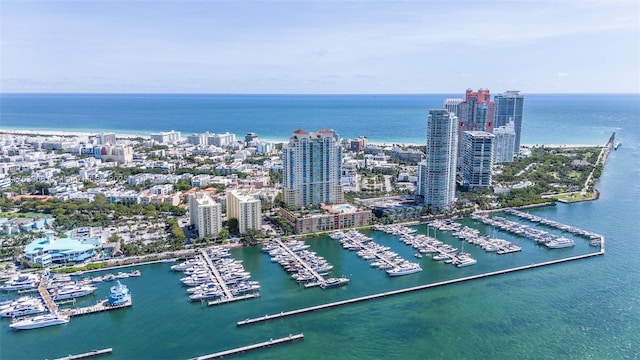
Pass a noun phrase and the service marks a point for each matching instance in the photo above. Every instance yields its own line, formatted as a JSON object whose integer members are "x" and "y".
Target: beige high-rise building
{"x": 205, "y": 214}
{"x": 246, "y": 208}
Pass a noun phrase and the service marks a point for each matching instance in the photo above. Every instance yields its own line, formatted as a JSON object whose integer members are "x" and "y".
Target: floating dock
{"x": 87, "y": 354}
{"x": 271, "y": 342}
{"x": 101, "y": 306}
{"x": 319, "y": 278}
{"x": 235, "y": 298}
{"x": 216, "y": 275}
{"x": 411, "y": 289}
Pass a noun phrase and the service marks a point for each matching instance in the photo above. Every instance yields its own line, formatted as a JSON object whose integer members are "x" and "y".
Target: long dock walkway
{"x": 304, "y": 264}
{"x": 411, "y": 289}
{"x": 87, "y": 354}
{"x": 271, "y": 342}
{"x": 216, "y": 274}
{"x": 99, "y": 307}
{"x": 42, "y": 289}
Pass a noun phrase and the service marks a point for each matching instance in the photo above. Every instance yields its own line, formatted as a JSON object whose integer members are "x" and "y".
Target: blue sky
{"x": 319, "y": 46}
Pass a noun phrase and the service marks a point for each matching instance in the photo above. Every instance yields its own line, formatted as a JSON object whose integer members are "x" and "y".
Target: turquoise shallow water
{"x": 586, "y": 309}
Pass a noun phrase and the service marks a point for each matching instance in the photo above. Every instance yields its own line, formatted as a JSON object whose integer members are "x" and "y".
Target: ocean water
{"x": 549, "y": 119}
{"x": 585, "y": 309}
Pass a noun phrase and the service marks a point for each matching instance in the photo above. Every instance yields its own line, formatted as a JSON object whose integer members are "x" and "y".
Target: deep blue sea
{"x": 585, "y": 309}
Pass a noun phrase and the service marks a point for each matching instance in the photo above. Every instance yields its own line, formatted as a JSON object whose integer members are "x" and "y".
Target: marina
{"x": 214, "y": 275}
{"x": 379, "y": 256}
{"x": 282, "y": 314}
{"x": 269, "y": 343}
{"x": 430, "y": 246}
{"x": 306, "y": 267}
{"x": 541, "y": 237}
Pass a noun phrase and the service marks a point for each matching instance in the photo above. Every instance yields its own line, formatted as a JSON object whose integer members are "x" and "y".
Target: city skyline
{"x": 319, "y": 47}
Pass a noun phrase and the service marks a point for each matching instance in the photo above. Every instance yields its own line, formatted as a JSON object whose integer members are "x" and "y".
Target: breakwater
{"x": 264, "y": 344}
{"x": 282, "y": 314}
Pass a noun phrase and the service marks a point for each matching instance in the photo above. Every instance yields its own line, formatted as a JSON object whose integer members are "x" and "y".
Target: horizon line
{"x": 304, "y": 94}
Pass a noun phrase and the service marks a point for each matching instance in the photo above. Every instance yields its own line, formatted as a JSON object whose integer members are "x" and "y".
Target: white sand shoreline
{"x": 132, "y": 136}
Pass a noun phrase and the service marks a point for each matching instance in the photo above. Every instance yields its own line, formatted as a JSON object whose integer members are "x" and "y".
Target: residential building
{"x": 453, "y": 106}
{"x": 504, "y": 143}
{"x": 312, "y": 168}
{"x": 166, "y": 137}
{"x": 478, "y": 158}
{"x": 196, "y": 139}
{"x": 205, "y": 214}
{"x": 358, "y": 144}
{"x": 330, "y": 217}
{"x": 509, "y": 106}
{"x": 246, "y": 209}
{"x": 437, "y": 173}
{"x": 221, "y": 140}
{"x": 476, "y": 114}
{"x": 106, "y": 138}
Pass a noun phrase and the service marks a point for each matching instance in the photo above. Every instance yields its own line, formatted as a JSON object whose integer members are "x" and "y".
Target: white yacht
{"x": 404, "y": 270}
{"x": 39, "y": 321}
{"x": 34, "y": 307}
{"x": 464, "y": 260}
{"x": 22, "y": 282}
{"x": 72, "y": 291}
{"x": 333, "y": 282}
{"x": 560, "y": 243}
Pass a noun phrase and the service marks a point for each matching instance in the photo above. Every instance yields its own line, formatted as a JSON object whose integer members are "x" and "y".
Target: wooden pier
{"x": 87, "y": 354}
{"x": 265, "y": 344}
{"x": 101, "y": 306}
{"x": 44, "y": 294}
{"x": 411, "y": 289}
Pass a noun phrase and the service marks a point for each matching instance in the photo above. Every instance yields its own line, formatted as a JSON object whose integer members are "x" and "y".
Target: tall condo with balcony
{"x": 437, "y": 173}
{"x": 312, "y": 168}
{"x": 205, "y": 214}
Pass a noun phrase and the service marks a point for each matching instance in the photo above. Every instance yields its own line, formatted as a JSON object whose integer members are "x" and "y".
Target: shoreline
{"x": 80, "y": 133}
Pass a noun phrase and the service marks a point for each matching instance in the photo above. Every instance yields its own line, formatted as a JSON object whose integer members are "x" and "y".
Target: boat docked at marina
{"x": 463, "y": 259}
{"x": 559, "y": 243}
{"x": 405, "y": 269}
{"x": 29, "y": 308}
{"x": 334, "y": 282}
{"x": 72, "y": 291}
{"x": 21, "y": 282}
{"x": 39, "y": 321}
{"x": 119, "y": 294}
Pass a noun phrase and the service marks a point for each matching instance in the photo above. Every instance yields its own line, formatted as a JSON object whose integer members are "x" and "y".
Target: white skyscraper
{"x": 504, "y": 143}
{"x": 205, "y": 214}
{"x": 246, "y": 209}
{"x": 312, "y": 168}
{"x": 437, "y": 173}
